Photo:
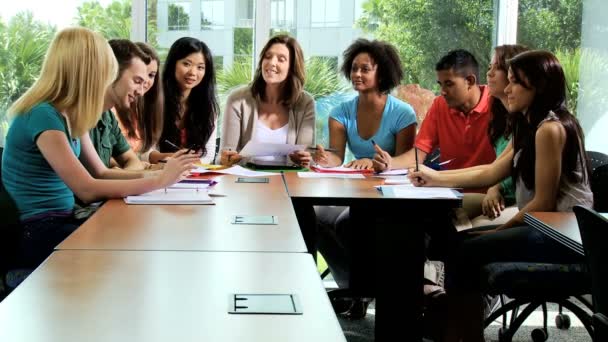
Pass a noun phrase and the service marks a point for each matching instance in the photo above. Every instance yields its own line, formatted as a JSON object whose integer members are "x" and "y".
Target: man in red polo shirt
{"x": 456, "y": 123}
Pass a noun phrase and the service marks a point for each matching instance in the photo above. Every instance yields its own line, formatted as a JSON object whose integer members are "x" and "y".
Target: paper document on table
{"x": 395, "y": 172}
{"x": 257, "y": 149}
{"x": 407, "y": 191}
{"x": 330, "y": 175}
{"x": 338, "y": 169}
{"x": 171, "y": 196}
{"x": 398, "y": 180}
{"x": 238, "y": 170}
{"x": 194, "y": 186}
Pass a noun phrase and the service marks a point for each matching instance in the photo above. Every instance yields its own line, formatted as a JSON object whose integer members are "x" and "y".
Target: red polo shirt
{"x": 459, "y": 136}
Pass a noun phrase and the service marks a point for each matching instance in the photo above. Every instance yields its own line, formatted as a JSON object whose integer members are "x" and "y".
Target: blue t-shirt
{"x": 27, "y": 176}
{"x": 396, "y": 116}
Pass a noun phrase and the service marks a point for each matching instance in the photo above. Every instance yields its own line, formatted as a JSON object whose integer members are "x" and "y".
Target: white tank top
{"x": 272, "y": 136}
{"x": 570, "y": 194}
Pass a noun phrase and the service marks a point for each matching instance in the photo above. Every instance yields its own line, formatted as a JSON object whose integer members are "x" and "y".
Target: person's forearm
{"x": 471, "y": 179}
{"x": 405, "y": 161}
{"x": 122, "y": 174}
{"x": 472, "y": 168}
{"x": 100, "y": 189}
{"x": 533, "y": 205}
{"x": 156, "y": 156}
{"x": 134, "y": 164}
{"x": 333, "y": 160}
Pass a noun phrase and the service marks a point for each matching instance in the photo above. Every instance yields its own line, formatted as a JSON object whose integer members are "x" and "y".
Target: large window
{"x": 281, "y": 14}
{"x": 325, "y": 13}
{"x": 212, "y": 14}
{"x": 178, "y": 15}
{"x": 27, "y": 28}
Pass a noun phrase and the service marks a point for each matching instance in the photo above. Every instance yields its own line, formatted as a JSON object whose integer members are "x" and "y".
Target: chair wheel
{"x": 562, "y": 321}
{"x": 539, "y": 335}
{"x": 503, "y": 335}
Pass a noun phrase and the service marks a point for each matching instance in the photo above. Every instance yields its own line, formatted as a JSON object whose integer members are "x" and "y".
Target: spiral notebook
{"x": 172, "y": 196}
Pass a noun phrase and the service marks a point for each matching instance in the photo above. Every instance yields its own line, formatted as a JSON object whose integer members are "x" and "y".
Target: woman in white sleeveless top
{"x": 274, "y": 108}
{"x": 549, "y": 165}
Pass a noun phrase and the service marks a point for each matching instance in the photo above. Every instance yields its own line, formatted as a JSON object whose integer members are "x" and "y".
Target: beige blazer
{"x": 241, "y": 117}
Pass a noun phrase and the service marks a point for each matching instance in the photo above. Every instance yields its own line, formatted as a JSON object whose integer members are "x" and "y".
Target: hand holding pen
{"x": 320, "y": 156}
{"x": 382, "y": 159}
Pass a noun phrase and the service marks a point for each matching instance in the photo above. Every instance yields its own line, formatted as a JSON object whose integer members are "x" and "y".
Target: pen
{"x": 416, "y": 155}
{"x": 177, "y": 148}
{"x": 315, "y": 148}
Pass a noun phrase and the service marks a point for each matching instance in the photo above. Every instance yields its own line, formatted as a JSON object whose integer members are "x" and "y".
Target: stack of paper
{"x": 171, "y": 196}
{"x": 256, "y": 149}
{"x": 408, "y": 191}
{"x": 330, "y": 175}
{"x": 238, "y": 170}
{"x": 338, "y": 169}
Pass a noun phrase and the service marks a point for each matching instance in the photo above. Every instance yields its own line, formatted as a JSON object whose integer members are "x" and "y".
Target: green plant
{"x": 112, "y": 21}
{"x": 570, "y": 61}
{"x": 24, "y": 43}
{"x": 322, "y": 78}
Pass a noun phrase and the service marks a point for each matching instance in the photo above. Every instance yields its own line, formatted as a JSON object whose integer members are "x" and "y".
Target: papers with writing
{"x": 397, "y": 180}
{"x": 238, "y": 170}
{"x": 330, "y": 175}
{"x": 171, "y": 196}
{"x": 408, "y": 191}
{"x": 257, "y": 149}
{"x": 394, "y": 172}
{"x": 338, "y": 169}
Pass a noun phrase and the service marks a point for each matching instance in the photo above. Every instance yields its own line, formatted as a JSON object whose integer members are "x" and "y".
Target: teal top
{"x": 27, "y": 176}
{"x": 507, "y": 186}
{"x": 108, "y": 139}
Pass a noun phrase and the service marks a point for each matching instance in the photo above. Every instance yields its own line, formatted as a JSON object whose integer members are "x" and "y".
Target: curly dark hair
{"x": 388, "y": 73}
{"x": 199, "y": 118}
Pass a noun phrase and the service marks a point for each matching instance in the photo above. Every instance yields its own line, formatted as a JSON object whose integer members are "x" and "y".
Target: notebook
{"x": 171, "y": 196}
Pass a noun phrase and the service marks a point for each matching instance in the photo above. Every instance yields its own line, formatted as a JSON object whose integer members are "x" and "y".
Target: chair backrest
{"x": 594, "y": 233}
{"x": 10, "y": 227}
{"x": 599, "y": 180}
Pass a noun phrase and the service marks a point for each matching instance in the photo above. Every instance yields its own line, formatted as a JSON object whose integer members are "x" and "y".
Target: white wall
{"x": 593, "y": 100}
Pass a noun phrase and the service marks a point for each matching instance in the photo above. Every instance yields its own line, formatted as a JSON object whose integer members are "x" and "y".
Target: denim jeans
{"x": 41, "y": 236}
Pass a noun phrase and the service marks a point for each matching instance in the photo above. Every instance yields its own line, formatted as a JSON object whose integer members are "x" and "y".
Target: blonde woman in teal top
{"x": 40, "y": 166}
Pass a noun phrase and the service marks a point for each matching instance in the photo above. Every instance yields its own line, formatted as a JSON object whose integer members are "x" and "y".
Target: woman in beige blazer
{"x": 274, "y": 108}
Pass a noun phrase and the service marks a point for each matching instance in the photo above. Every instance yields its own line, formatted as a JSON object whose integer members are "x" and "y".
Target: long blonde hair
{"x": 78, "y": 68}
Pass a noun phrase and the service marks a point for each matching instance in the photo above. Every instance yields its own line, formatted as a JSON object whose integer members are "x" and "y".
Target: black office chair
{"x": 11, "y": 272}
{"x": 594, "y": 233}
{"x": 535, "y": 284}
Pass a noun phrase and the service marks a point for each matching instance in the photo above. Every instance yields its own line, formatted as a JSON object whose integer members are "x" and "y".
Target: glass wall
{"x": 422, "y": 31}
{"x": 27, "y": 27}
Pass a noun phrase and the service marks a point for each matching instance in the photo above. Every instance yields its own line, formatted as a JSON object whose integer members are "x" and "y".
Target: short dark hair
{"x": 124, "y": 51}
{"x": 461, "y": 61}
{"x": 389, "y": 72}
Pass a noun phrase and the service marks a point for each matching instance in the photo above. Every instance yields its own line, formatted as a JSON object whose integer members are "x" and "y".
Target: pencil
{"x": 177, "y": 148}
{"x": 315, "y": 148}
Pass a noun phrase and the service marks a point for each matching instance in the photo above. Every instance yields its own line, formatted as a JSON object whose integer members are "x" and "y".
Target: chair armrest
{"x": 600, "y": 327}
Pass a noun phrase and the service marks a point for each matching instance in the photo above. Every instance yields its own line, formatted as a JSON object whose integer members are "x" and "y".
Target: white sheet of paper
{"x": 330, "y": 175}
{"x": 398, "y": 180}
{"x": 407, "y": 191}
{"x": 238, "y": 170}
{"x": 203, "y": 187}
{"x": 258, "y": 149}
{"x": 395, "y": 172}
{"x": 336, "y": 169}
{"x": 171, "y": 196}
